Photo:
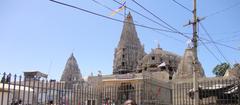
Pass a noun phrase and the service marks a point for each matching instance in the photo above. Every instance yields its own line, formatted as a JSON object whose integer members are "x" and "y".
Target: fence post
{"x": 8, "y": 80}
{"x": 19, "y": 88}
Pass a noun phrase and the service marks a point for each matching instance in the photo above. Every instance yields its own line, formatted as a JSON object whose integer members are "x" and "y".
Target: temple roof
{"x": 35, "y": 74}
{"x": 160, "y": 51}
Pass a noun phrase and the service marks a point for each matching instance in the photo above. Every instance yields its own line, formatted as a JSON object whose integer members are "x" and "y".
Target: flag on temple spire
{"x": 120, "y": 8}
{"x": 162, "y": 65}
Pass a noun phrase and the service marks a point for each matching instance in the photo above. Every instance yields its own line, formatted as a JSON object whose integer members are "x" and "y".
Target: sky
{"x": 41, "y": 35}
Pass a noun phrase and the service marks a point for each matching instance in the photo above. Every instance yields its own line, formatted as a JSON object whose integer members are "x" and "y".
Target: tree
{"x": 220, "y": 69}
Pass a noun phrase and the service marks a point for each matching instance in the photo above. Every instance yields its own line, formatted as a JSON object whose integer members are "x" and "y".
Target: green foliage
{"x": 220, "y": 69}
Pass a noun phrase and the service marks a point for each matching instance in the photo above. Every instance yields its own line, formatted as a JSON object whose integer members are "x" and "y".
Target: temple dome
{"x": 159, "y": 60}
{"x": 158, "y": 56}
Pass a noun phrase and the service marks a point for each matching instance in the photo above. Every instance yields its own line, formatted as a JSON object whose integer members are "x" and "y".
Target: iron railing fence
{"x": 211, "y": 92}
{"x": 18, "y": 90}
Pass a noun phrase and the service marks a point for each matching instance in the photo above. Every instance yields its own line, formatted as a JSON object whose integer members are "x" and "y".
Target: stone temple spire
{"x": 129, "y": 50}
{"x": 185, "y": 67}
{"x": 71, "y": 73}
{"x": 129, "y": 33}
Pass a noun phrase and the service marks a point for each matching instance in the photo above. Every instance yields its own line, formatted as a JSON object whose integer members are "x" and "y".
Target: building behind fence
{"x": 100, "y": 90}
{"x": 115, "y": 89}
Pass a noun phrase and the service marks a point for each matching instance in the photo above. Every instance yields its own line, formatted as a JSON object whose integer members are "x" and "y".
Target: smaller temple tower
{"x": 185, "y": 67}
{"x": 71, "y": 74}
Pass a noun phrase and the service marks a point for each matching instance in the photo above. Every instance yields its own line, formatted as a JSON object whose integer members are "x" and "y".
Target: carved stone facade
{"x": 71, "y": 74}
{"x": 129, "y": 50}
{"x": 130, "y": 56}
{"x": 160, "y": 60}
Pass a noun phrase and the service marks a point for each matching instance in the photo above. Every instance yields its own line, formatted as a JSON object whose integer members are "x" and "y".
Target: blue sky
{"x": 41, "y": 35}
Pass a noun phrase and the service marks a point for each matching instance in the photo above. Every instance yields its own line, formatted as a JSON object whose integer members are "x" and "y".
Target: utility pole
{"x": 194, "y": 49}
{"x": 195, "y": 36}
{"x": 195, "y": 58}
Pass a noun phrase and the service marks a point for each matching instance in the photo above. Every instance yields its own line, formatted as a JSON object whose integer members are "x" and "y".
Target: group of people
{"x": 19, "y": 102}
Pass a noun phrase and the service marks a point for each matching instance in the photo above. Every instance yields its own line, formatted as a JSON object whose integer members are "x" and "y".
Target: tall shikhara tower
{"x": 71, "y": 74}
{"x": 129, "y": 51}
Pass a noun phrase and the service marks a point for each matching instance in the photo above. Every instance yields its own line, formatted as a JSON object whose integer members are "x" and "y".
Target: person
{"x": 20, "y": 102}
{"x": 130, "y": 102}
{"x": 51, "y": 102}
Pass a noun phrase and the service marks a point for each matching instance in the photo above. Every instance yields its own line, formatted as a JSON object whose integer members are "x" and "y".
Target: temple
{"x": 129, "y": 51}
{"x": 71, "y": 74}
{"x": 130, "y": 57}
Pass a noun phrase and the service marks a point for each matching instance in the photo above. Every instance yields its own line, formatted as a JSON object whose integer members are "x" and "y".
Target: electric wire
{"x": 169, "y": 36}
{"x": 166, "y": 35}
{"x": 165, "y": 22}
{"x": 218, "y": 43}
{"x": 184, "y": 35}
{"x": 139, "y": 25}
{"x": 144, "y": 16}
{"x": 106, "y": 17}
{"x": 207, "y": 47}
{"x": 237, "y": 49}
{"x": 232, "y": 40}
{"x": 182, "y": 6}
{"x": 210, "y": 51}
{"x": 223, "y": 10}
{"x": 105, "y": 6}
{"x": 210, "y": 37}
{"x": 231, "y": 37}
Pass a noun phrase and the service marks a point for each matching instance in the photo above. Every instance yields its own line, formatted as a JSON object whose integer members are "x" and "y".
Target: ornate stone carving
{"x": 129, "y": 50}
